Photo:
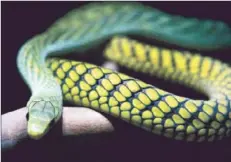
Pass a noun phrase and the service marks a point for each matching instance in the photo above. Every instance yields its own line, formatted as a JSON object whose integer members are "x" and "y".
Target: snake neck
{"x": 45, "y": 104}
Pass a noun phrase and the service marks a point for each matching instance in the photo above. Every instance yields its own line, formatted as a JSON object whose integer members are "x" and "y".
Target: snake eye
{"x": 27, "y": 116}
{"x": 52, "y": 123}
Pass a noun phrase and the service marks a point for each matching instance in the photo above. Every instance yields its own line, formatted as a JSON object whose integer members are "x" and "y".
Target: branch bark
{"x": 76, "y": 121}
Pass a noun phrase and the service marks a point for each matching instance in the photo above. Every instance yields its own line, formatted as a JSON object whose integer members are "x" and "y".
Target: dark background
{"x": 22, "y": 20}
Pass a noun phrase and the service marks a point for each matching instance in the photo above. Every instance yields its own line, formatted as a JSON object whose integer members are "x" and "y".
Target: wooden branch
{"x": 76, "y": 121}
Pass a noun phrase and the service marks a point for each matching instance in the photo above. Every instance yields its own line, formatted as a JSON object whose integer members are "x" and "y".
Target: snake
{"x": 53, "y": 80}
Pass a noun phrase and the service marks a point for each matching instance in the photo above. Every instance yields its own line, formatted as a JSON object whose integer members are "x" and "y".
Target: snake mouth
{"x": 35, "y": 131}
{"x": 35, "y": 135}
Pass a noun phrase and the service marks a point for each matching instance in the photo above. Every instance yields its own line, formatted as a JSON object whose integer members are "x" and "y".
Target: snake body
{"x": 141, "y": 104}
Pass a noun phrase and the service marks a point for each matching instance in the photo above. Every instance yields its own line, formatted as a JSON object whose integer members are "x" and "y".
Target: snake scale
{"x": 54, "y": 80}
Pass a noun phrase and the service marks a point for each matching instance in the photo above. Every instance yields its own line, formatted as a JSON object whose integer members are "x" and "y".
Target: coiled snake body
{"x": 141, "y": 104}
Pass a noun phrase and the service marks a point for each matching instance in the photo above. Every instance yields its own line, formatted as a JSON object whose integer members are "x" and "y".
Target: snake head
{"x": 38, "y": 127}
{"x": 41, "y": 116}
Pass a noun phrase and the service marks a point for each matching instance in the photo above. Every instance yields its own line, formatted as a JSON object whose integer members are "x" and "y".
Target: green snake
{"x": 54, "y": 80}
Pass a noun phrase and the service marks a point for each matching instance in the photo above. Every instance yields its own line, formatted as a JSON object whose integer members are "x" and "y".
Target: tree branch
{"x": 75, "y": 121}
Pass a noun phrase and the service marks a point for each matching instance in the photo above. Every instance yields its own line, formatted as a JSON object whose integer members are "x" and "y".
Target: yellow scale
{"x": 141, "y": 110}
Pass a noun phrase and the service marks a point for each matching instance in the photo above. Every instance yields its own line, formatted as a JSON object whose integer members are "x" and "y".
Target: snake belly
{"x": 86, "y": 27}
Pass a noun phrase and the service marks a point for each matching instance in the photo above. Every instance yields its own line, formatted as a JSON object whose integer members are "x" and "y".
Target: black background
{"x": 22, "y": 20}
